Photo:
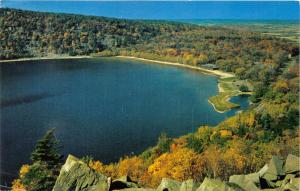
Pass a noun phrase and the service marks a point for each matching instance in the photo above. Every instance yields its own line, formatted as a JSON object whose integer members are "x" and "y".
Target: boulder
{"x": 263, "y": 170}
{"x": 269, "y": 177}
{"x": 287, "y": 179}
{"x": 272, "y": 172}
{"x": 292, "y": 164}
{"x": 278, "y": 183}
{"x": 189, "y": 185}
{"x": 75, "y": 175}
{"x": 246, "y": 182}
{"x": 169, "y": 185}
{"x": 276, "y": 166}
{"x": 215, "y": 185}
{"x": 295, "y": 182}
{"x": 122, "y": 183}
{"x": 137, "y": 189}
{"x": 268, "y": 181}
{"x": 293, "y": 185}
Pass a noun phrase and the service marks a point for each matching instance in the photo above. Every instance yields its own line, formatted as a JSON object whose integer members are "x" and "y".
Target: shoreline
{"x": 218, "y": 73}
{"x": 216, "y": 108}
{"x": 228, "y": 100}
{"x": 44, "y": 58}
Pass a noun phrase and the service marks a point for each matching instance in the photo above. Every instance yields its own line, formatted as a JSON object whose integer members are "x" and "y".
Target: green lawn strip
{"x": 230, "y": 88}
{"x": 221, "y": 101}
{"x": 229, "y": 79}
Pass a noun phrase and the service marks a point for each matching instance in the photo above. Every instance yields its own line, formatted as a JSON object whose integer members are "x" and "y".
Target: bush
{"x": 244, "y": 88}
{"x": 164, "y": 143}
{"x": 39, "y": 178}
{"x": 195, "y": 144}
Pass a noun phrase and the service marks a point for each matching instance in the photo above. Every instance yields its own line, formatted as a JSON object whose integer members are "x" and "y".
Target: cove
{"x": 104, "y": 107}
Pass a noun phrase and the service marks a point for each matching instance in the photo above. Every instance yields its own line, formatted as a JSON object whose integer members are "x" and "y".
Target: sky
{"x": 246, "y": 10}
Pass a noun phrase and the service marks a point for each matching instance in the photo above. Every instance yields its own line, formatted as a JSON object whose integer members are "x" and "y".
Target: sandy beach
{"x": 219, "y": 73}
{"x": 213, "y": 72}
{"x": 44, "y": 58}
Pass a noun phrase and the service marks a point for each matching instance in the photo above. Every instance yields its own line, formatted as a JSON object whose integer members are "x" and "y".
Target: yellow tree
{"x": 202, "y": 59}
{"x": 234, "y": 159}
{"x": 181, "y": 164}
{"x": 212, "y": 156}
{"x": 17, "y": 184}
{"x": 133, "y": 167}
{"x": 97, "y": 165}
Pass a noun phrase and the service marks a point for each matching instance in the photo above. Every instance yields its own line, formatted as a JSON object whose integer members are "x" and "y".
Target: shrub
{"x": 244, "y": 88}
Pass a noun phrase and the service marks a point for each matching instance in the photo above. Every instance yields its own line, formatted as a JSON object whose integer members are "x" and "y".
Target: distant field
{"x": 283, "y": 29}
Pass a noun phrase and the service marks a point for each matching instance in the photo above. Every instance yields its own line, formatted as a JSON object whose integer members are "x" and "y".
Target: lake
{"x": 103, "y": 107}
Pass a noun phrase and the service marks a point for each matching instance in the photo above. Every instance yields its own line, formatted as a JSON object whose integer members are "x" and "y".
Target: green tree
{"x": 47, "y": 150}
{"x": 195, "y": 144}
{"x": 244, "y": 88}
{"x": 164, "y": 143}
{"x": 46, "y": 160}
{"x": 39, "y": 177}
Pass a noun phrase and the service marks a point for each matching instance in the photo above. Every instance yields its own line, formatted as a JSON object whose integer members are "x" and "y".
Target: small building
{"x": 210, "y": 66}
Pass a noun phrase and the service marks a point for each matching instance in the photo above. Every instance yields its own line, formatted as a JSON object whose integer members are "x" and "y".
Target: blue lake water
{"x": 102, "y": 107}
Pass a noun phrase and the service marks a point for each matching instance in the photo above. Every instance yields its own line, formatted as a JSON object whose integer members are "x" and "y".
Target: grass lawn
{"x": 221, "y": 103}
{"x": 228, "y": 87}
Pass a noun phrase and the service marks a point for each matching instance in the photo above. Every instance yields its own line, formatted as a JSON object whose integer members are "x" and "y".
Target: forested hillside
{"x": 240, "y": 144}
{"x": 27, "y": 34}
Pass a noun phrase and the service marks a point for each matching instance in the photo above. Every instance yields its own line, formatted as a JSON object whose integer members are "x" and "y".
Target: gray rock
{"x": 263, "y": 170}
{"x": 292, "y": 164}
{"x": 75, "y": 175}
{"x": 122, "y": 183}
{"x": 247, "y": 182}
{"x": 293, "y": 185}
{"x": 276, "y": 166}
{"x": 278, "y": 183}
{"x": 270, "y": 177}
{"x": 273, "y": 172}
{"x": 295, "y": 182}
{"x": 169, "y": 185}
{"x": 189, "y": 185}
{"x": 215, "y": 185}
{"x": 287, "y": 179}
{"x": 137, "y": 189}
{"x": 124, "y": 179}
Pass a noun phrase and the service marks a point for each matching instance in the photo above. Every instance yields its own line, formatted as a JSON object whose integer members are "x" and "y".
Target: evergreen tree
{"x": 47, "y": 150}
{"x": 46, "y": 165}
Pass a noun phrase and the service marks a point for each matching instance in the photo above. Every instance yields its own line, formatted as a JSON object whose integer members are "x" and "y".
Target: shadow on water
{"x": 25, "y": 99}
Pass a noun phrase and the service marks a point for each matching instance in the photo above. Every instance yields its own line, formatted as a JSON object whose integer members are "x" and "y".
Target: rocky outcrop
{"x": 169, "y": 185}
{"x": 75, "y": 175}
{"x": 277, "y": 175}
{"x": 246, "y": 182}
{"x": 123, "y": 183}
{"x": 214, "y": 185}
{"x": 189, "y": 185}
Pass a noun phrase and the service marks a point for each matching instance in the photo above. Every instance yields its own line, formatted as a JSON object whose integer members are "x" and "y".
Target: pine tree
{"x": 47, "y": 150}
{"x": 46, "y": 165}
